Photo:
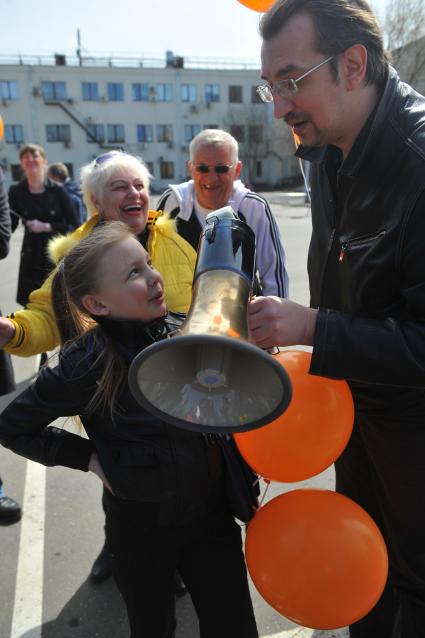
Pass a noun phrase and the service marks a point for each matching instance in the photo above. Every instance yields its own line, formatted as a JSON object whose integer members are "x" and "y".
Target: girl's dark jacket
{"x": 53, "y": 206}
{"x": 143, "y": 458}
{"x": 366, "y": 260}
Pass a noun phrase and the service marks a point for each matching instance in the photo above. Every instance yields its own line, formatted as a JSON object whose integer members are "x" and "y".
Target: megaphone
{"x": 208, "y": 377}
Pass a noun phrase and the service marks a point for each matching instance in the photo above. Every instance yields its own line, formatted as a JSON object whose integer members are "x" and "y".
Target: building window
{"x": 255, "y": 98}
{"x": 144, "y": 133}
{"x": 238, "y": 132}
{"x": 164, "y": 133}
{"x": 190, "y": 130}
{"x": 259, "y": 168}
{"x": 90, "y": 91}
{"x": 255, "y": 133}
{"x": 167, "y": 170}
{"x": 235, "y": 94}
{"x": 188, "y": 93}
{"x": 115, "y": 132}
{"x": 212, "y": 93}
{"x": 96, "y": 133}
{"x": 58, "y": 132}
{"x": 164, "y": 92}
{"x": 140, "y": 92}
{"x": 14, "y": 133}
{"x": 115, "y": 91}
{"x": 9, "y": 90}
{"x": 53, "y": 90}
{"x": 150, "y": 167}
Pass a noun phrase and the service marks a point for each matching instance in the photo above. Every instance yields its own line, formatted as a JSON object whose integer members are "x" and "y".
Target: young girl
{"x": 166, "y": 503}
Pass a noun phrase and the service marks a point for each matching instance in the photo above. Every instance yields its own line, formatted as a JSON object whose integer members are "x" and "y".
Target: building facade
{"x": 77, "y": 107}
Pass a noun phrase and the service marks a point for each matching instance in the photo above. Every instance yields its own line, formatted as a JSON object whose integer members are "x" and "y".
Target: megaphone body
{"x": 208, "y": 377}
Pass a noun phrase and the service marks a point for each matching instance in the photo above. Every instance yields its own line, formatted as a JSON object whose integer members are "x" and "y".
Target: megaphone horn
{"x": 208, "y": 377}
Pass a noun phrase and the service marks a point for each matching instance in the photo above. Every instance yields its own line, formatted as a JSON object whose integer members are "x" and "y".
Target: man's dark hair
{"x": 59, "y": 171}
{"x": 339, "y": 24}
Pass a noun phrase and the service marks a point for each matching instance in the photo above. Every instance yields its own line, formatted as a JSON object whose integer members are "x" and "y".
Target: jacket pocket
{"x": 142, "y": 473}
{"x": 360, "y": 242}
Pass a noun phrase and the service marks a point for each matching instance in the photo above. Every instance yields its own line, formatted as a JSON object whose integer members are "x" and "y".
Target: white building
{"x": 77, "y": 107}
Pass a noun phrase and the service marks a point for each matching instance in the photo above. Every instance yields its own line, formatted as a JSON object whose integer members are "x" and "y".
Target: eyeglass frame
{"x": 291, "y": 84}
{"x": 227, "y": 168}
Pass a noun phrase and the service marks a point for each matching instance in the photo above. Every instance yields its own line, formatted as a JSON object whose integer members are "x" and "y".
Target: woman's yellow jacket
{"x": 172, "y": 255}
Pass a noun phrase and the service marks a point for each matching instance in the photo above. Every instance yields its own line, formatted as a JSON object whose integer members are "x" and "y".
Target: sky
{"x": 191, "y": 28}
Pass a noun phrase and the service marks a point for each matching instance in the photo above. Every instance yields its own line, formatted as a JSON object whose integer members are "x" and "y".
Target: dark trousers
{"x": 383, "y": 470}
{"x": 208, "y": 554}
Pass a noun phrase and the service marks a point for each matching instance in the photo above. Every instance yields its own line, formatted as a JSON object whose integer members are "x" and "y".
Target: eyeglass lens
{"x": 219, "y": 168}
{"x": 105, "y": 157}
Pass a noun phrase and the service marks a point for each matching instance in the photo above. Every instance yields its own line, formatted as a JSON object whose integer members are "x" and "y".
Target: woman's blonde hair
{"x": 95, "y": 175}
{"x": 77, "y": 276}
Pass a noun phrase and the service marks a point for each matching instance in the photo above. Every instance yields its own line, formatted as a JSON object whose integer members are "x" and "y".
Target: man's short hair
{"x": 214, "y": 137}
{"x": 339, "y": 24}
{"x": 59, "y": 171}
{"x": 33, "y": 149}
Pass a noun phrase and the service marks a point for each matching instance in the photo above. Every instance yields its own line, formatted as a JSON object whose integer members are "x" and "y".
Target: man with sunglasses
{"x": 215, "y": 169}
{"x": 329, "y": 78}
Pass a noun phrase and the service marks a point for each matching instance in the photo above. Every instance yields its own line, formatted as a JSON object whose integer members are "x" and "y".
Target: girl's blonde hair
{"x": 96, "y": 174}
{"x": 77, "y": 276}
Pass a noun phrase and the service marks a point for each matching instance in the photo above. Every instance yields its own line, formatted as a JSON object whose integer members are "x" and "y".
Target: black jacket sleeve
{"x": 25, "y": 425}
{"x": 5, "y": 226}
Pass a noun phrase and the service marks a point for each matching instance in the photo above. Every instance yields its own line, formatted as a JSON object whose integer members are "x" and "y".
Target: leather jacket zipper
{"x": 358, "y": 243}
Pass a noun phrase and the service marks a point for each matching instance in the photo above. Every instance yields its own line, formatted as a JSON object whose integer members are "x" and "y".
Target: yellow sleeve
{"x": 35, "y": 325}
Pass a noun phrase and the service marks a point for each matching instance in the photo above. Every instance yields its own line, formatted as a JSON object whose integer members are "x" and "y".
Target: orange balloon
{"x": 258, "y": 5}
{"x": 310, "y": 434}
{"x": 1, "y": 128}
{"x": 317, "y": 557}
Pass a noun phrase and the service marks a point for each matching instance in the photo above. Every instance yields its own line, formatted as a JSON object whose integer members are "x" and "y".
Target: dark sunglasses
{"x": 220, "y": 169}
{"x": 105, "y": 157}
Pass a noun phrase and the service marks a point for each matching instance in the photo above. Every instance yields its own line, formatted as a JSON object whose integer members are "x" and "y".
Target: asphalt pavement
{"x": 45, "y": 591}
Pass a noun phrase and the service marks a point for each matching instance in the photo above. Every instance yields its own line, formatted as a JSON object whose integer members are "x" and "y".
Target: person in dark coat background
{"x": 10, "y": 511}
{"x": 45, "y": 210}
{"x": 58, "y": 172}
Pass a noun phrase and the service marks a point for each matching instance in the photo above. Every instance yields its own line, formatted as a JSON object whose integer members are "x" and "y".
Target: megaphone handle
{"x": 272, "y": 350}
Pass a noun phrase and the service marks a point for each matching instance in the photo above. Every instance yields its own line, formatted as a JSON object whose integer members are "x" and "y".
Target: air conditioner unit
{"x": 36, "y": 91}
{"x": 67, "y": 143}
{"x": 193, "y": 108}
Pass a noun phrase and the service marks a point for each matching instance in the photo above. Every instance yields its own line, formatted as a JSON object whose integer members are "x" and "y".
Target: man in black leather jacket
{"x": 364, "y": 132}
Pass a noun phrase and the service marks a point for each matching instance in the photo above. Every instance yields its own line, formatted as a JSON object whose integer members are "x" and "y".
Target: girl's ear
{"x": 94, "y": 306}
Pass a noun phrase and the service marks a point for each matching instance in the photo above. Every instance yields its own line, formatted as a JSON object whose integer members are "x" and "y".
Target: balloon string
{"x": 267, "y": 482}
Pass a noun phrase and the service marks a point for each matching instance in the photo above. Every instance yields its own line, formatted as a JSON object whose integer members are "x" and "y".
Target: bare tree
{"x": 404, "y": 26}
{"x": 260, "y": 138}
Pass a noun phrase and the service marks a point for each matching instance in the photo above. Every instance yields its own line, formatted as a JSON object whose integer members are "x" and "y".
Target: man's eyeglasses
{"x": 220, "y": 169}
{"x": 286, "y": 88}
{"x": 105, "y": 157}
